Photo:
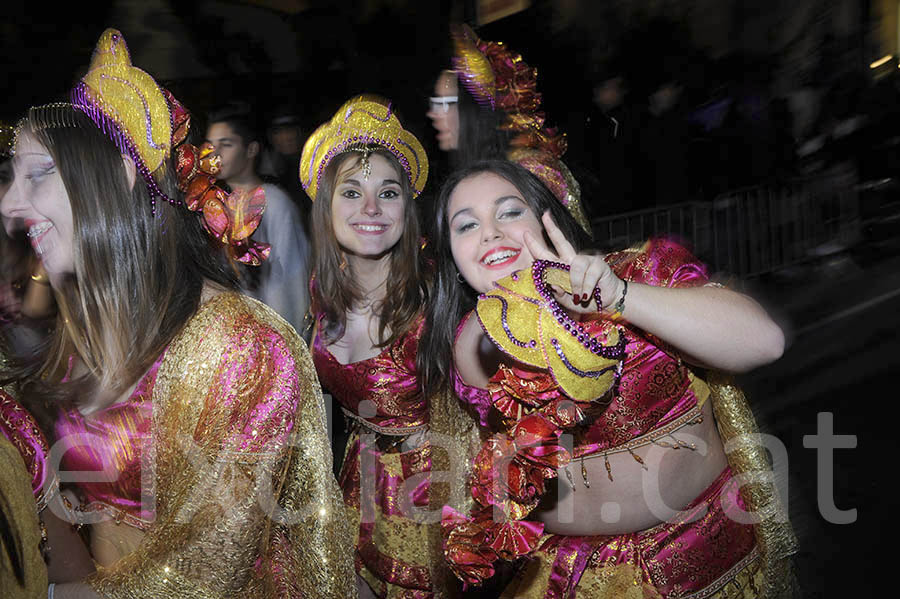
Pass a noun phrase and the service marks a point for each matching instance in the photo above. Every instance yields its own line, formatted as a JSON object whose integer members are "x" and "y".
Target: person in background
{"x": 282, "y": 157}
{"x": 199, "y": 404}
{"x": 488, "y": 107}
{"x": 282, "y": 280}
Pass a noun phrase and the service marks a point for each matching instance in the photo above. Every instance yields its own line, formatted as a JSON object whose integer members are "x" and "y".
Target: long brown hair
{"x": 138, "y": 269}
{"x": 334, "y": 289}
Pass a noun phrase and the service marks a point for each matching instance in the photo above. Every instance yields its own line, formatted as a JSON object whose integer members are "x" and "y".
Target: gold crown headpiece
{"x": 472, "y": 67}
{"x": 362, "y": 122}
{"x": 147, "y": 122}
{"x": 501, "y": 79}
{"x": 127, "y": 105}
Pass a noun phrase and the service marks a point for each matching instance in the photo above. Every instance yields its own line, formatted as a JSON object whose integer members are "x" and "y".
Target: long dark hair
{"x": 138, "y": 269}
{"x": 334, "y": 290}
{"x": 480, "y": 136}
{"x": 452, "y": 299}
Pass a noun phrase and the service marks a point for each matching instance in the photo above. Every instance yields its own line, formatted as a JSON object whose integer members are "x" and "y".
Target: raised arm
{"x": 710, "y": 325}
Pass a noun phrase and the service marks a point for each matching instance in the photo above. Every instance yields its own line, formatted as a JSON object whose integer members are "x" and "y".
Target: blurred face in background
{"x": 443, "y": 111}
{"x": 286, "y": 139}
{"x": 37, "y": 199}
{"x": 236, "y": 156}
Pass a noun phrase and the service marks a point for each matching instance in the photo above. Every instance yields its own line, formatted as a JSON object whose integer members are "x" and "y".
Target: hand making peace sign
{"x": 587, "y": 271}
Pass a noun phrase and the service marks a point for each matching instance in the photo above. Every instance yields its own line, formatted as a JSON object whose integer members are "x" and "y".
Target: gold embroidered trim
{"x": 731, "y": 574}
{"x": 384, "y": 430}
{"x": 692, "y": 416}
{"x": 49, "y": 490}
{"x": 118, "y": 516}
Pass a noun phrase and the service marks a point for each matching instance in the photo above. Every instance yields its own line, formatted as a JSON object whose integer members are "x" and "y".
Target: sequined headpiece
{"x": 362, "y": 122}
{"x": 147, "y": 123}
{"x": 128, "y": 105}
{"x": 499, "y": 78}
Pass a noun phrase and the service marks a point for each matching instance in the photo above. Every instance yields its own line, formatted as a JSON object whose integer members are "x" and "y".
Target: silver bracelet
{"x": 50, "y": 589}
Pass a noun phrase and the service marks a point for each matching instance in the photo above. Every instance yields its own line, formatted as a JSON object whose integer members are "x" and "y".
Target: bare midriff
{"x": 639, "y": 496}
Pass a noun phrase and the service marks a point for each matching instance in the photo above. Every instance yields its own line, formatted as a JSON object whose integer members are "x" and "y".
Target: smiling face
{"x": 37, "y": 199}
{"x": 444, "y": 111}
{"x": 368, "y": 212}
{"x": 488, "y": 219}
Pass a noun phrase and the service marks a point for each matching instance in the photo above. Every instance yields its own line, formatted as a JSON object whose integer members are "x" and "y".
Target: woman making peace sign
{"x": 587, "y": 369}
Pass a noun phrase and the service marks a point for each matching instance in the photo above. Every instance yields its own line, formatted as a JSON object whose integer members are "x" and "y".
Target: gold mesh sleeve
{"x": 455, "y": 439}
{"x": 240, "y": 469}
{"x": 774, "y": 533}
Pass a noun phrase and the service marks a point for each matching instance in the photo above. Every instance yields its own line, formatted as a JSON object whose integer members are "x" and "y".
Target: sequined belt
{"x": 693, "y": 416}
{"x": 398, "y": 431}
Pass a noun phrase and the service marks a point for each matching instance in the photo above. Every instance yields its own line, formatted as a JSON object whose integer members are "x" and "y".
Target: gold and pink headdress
{"x": 147, "y": 123}
{"x": 360, "y": 123}
{"x": 500, "y": 79}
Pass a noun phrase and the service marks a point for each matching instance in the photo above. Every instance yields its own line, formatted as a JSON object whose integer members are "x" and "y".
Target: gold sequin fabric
{"x": 20, "y": 555}
{"x": 774, "y": 534}
{"x": 245, "y": 501}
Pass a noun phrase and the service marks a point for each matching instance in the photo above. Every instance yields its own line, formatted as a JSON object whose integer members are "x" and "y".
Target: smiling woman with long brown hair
{"x": 606, "y": 473}
{"x": 371, "y": 282}
{"x": 199, "y": 405}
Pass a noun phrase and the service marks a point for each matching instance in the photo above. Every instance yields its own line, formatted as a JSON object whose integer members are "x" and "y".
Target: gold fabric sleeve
{"x": 774, "y": 534}
{"x": 246, "y": 503}
{"x": 455, "y": 439}
{"x": 20, "y": 553}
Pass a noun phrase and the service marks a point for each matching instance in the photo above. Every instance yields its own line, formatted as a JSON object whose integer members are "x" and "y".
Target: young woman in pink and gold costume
{"x": 189, "y": 420}
{"x": 606, "y": 474}
{"x": 370, "y": 283}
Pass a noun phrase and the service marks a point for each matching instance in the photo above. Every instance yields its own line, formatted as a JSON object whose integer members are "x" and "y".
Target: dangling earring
{"x": 343, "y": 264}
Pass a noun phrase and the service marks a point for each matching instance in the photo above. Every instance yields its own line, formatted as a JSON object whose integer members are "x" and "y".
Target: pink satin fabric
{"x": 390, "y": 383}
{"x": 674, "y": 559}
{"x": 111, "y": 441}
{"x": 20, "y": 428}
{"x": 387, "y": 380}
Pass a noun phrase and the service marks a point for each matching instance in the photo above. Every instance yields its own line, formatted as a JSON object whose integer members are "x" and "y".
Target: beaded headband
{"x": 128, "y": 106}
{"x": 362, "y": 122}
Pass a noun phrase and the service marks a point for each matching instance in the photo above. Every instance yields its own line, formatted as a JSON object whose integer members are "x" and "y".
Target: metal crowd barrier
{"x": 753, "y": 231}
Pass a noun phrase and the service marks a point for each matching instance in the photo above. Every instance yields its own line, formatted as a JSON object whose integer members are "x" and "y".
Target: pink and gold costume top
{"x": 20, "y": 428}
{"x": 655, "y": 395}
{"x": 388, "y": 381}
{"x": 221, "y": 457}
{"x": 655, "y": 389}
{"x": 111, "y": 441}
{"x": 393, "y": 552}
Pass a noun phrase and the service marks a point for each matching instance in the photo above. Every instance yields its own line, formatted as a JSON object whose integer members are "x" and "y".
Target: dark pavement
{"x": 842, "y": 317}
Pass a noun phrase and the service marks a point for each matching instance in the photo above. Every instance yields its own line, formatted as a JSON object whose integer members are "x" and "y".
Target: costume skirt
{"x": 705, "y": 551}
{"x": 392, "y": 538}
